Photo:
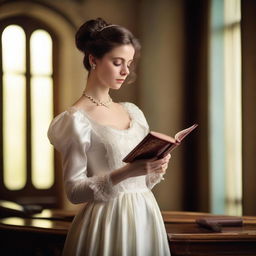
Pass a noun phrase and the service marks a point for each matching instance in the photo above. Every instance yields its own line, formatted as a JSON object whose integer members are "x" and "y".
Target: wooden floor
{"x": 45, "y": 234}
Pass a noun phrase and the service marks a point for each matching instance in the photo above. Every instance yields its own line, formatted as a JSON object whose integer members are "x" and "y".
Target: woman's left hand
{"x": 165, "y": 165}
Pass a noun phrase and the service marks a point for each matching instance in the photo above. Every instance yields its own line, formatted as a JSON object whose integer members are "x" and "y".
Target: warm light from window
{"x": 225, "y": 117}
{"x": 14, "y": 107}
{"x": 41, "y": 53}
{"x": 233, "y": 107}
{"x": 41, "y": 108}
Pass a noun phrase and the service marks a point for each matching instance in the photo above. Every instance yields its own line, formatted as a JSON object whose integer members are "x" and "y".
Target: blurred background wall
{"x": 173, "y": 81}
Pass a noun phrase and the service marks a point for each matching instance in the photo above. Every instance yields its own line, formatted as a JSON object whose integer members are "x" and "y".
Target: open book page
{"x": 178, "y": 138}
{"x": 151, "y": 146}
{"x": 163, "y": 136}
{"x": 157, "y": 144}
{"x": 182, "y": 134}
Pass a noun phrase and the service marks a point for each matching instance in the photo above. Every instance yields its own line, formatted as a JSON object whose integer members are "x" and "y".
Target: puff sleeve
{"x": 70, "y": 133}
{"x": 152, "y": 178}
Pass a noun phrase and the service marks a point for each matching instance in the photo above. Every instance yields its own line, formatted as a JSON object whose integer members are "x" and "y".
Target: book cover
{"x": 157, "y": 144}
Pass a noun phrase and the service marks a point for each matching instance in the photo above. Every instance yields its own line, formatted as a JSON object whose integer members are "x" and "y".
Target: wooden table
{"x": 187, "y": 238}
{"x": 46, "y": 233}
{"x": 42, "y": 235}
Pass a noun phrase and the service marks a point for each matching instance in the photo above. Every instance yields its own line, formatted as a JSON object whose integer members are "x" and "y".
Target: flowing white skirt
{"x": 128, "y": 225}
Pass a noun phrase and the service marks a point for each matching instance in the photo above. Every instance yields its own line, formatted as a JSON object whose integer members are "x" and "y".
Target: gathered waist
{"x": 130, "y": 191}
{"x": 129, "y": 194}
{"x": 132, "y": 185}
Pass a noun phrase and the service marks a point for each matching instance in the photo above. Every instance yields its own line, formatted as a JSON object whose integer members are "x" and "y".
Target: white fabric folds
{"x": 120, "y": 220}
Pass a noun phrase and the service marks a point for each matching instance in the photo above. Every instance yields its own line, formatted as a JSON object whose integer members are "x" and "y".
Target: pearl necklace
{"x": 98, "y": 102}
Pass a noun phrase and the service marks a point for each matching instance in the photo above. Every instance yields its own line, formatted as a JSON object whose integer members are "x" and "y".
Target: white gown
{"x": 118, "y": 220}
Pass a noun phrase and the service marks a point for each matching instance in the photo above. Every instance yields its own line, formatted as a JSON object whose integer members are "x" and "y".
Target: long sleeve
{"x": 70, "y": 133}
{"x": 152, "y": 178}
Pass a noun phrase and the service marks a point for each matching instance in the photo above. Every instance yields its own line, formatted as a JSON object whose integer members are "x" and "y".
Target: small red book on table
{"x": 157, "y": 144}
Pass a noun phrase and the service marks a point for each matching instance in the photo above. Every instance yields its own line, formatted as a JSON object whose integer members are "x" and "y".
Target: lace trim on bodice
{"x": 118, "y": 143}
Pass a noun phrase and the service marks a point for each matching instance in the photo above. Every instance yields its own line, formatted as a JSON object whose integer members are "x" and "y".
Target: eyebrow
{"x": 122, "y": 59}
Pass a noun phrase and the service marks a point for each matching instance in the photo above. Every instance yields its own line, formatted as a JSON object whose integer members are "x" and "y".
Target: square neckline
{"x": 83, "y": 112}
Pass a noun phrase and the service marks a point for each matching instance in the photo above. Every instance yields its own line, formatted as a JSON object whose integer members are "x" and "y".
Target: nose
{"x": 125, "y": 71}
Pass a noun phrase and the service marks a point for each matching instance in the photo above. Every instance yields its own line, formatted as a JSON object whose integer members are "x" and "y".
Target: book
{"x": 216, "y": 223}
{"x": 157, "y": 144}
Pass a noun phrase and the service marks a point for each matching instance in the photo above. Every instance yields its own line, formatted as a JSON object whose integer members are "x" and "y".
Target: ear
{"x": 92, "y": 60}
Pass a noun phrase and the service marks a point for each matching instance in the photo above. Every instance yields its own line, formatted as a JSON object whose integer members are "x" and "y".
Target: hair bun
{"x": 87, "y": 32}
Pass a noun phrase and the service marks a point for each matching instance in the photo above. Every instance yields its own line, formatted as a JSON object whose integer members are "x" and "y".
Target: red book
{"x": 157, "y": 144}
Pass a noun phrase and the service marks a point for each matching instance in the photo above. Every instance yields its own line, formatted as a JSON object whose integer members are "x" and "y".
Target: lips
{"x": 120, "y": 80}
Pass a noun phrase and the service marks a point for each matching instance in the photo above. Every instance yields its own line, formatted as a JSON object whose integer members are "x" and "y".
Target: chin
{"x": 116, "y": 87}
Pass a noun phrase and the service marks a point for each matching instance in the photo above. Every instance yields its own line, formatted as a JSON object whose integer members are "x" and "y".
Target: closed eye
{"x": 117, "y": 64}
{"x": 119, "y": 61}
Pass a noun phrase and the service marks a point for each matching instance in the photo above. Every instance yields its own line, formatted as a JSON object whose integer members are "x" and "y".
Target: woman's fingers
{"x": 159, "y": 168}
{"x": 164, "y": 166}
{"x": 156, "y": 164}
{"x": 142, "y": 167}
{"x": 167, "y": 157}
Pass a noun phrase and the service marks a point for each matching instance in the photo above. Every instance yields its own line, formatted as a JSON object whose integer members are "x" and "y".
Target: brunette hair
{"x": 97, "y": 37}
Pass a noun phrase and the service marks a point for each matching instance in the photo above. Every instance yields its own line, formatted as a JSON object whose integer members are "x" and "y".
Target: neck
{"x": 96, "y": 90}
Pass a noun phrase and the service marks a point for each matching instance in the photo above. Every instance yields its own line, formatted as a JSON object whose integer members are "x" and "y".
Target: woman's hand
{"x": 165, "y": 166}
{"x": 140, "y": 167}
{"x": 143, "y": 167}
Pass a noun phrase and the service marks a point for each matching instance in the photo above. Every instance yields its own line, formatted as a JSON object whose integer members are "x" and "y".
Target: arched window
{"x": 28, "y": 54}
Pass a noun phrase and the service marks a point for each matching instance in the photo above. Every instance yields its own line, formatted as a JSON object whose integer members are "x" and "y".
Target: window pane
{"x": 41, "y": 108}
{"x": 233, "y": 107}
{"x": 41, "y": 116}
{"x": 216, "y": 109}
{"x": 14, "y": 107}
{"x": 14, "y": 131}
{"x": 41, "y": 53}
{"x": 225, "y": 108}
{"x": 13, "y": 40}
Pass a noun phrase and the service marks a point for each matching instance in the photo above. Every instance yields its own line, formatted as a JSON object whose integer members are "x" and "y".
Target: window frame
{"x": 29, "y": 194}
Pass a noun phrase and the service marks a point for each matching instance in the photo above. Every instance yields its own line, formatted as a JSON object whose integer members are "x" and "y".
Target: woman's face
{"x": 113, "y": 68}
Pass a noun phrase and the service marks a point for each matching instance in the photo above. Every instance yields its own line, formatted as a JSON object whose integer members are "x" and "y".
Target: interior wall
{"x": 160, "y": 88}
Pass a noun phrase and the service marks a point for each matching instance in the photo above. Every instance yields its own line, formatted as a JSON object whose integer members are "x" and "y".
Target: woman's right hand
{"x": 139, "y": 168}
{"x": 146, "y": 166}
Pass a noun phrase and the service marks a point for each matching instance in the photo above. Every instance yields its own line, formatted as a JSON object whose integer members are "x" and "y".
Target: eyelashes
{"x": 119, "y": 64}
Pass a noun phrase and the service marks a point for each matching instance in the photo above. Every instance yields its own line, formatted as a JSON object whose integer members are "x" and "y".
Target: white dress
{"x": 118, "y": 220}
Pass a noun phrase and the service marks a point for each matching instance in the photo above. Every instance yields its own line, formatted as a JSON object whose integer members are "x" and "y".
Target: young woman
{"x": 121, "y": 216}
